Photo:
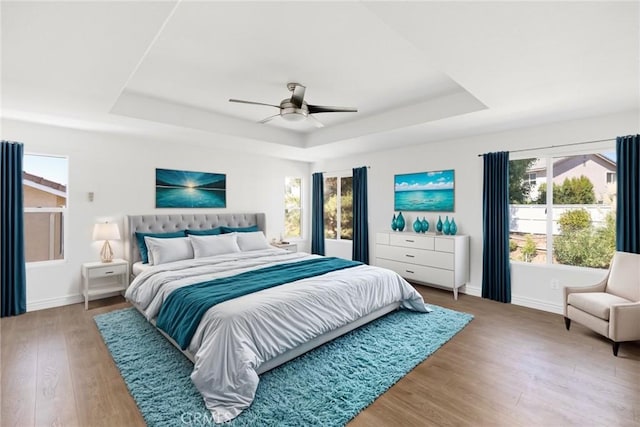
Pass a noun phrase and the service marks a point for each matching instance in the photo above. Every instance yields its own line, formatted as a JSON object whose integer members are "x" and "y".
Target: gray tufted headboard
{"x": 175, "y": 222}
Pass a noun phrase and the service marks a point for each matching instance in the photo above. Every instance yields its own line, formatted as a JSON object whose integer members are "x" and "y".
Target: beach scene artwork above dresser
{"x": 425, "y": 191}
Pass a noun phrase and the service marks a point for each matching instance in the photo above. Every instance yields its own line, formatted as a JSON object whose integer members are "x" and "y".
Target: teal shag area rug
{"x": 327, "y": 386}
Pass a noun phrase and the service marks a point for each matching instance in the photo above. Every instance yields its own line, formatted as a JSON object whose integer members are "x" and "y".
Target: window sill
{"x": 40, "y": 264}
{"x": 559, "y": 267}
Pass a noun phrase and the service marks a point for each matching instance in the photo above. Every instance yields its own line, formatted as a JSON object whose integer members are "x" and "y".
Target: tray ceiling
{"x": 416, "y": 71}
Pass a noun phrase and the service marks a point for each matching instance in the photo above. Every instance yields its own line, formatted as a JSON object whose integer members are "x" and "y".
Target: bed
{"x": 236, "y": 340}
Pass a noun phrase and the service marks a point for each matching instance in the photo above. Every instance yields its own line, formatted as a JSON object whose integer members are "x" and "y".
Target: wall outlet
{"x": 555, "y": 284}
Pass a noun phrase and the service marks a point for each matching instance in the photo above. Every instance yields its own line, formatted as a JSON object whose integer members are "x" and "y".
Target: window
{"x": 45, "y": 204}
{"x": 292, "y": 207}
{"x": 611, "y": 178}
{"x": 338, "y": 208}
{"x": 531, "y": 179}
{"x": 577, "y": 226}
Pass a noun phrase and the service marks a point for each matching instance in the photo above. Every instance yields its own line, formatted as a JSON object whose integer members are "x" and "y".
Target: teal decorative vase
{"x": 417, "y": 225}
{"x": 400, "y": 222}
{"x": 446, "y": 227}
{"x": 424, "y": 225}
{"x": 439, "y": 225}
{"x": 394, "y": 223}
{"x": 453, "y": 228}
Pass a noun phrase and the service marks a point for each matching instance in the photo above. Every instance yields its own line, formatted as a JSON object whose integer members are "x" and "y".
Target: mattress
{"x": 139, "y": 267}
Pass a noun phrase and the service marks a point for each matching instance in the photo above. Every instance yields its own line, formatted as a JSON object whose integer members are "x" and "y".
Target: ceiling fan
{"x": 296, "y": 109}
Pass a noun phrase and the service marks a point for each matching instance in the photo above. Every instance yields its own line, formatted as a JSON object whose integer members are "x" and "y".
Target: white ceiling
{"x": 416, "y": 71}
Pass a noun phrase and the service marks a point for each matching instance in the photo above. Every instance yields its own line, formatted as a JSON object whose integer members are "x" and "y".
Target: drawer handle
{"x": 108, "y": 272}
{"x": 409, "y": 271}
{"x": 409, "y": 241}
{"x": 410, "y": 256}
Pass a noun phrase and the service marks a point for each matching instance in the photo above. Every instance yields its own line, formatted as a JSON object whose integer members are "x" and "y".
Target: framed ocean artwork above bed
{"x": 425, "y": 191}
{"x": 187, "y": 189}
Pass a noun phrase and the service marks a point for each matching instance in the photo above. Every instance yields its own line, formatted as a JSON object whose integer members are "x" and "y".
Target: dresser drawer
{"x": 443, "y": 244}
{"x": 107, "y": 270}
{"x": 408, "y": 240}
{"x": 416, "y": 256}
{"x": 382, "y": 238}
{"x": 419, "y": 273}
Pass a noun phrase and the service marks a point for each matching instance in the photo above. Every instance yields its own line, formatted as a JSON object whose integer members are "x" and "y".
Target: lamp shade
{"x": 106, "y": 231}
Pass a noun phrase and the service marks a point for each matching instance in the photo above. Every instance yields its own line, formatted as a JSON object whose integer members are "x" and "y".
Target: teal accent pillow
{"x": 240, "y": 229}
{"x": 209, "y": 232}
{"x": 142, "y": 246}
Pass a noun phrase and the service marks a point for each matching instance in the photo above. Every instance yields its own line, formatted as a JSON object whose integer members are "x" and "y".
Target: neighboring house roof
{"x": 540, "y": 165}
{"x": 44, "y": 184}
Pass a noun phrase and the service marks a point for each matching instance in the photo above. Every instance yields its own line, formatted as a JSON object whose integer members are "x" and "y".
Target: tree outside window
{"x": 292, "y": 207}
{"x": 346, "y": 208}
{"x": 338, "y": 208}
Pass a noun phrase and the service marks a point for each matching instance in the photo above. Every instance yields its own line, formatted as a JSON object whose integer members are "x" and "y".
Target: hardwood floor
{"x": 510, "y": 366}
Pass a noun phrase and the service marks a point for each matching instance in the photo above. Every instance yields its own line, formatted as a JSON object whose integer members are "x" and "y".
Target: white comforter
{"x": 235, "y": 337}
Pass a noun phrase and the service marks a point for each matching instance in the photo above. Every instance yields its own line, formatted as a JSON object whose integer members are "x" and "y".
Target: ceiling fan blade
{"x": 317, "y": 123}
{"x": 252, "y": 102}
{"x": 268, "y": 119}
{"x": 313, "y": 109}
{"x": 298, "y": 95}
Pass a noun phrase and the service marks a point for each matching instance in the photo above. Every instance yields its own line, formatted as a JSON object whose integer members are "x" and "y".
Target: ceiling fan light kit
{"x": 295, "y": 109}
{"x": 289, "y": 111}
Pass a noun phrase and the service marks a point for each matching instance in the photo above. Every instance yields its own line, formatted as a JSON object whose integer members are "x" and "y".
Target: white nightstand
{"x": 94, "y": 274}
{"x": 291, "y": 247}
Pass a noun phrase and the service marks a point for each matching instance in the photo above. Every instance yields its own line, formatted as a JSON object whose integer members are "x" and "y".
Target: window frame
{"x": 532, "y": 182}
{"x": 338, "y": 176}
{"x": 614, "y": 175}
{"x": 299, "y": 209}
{"x": 63, "y": 210}
{"x": 549, "y": 158}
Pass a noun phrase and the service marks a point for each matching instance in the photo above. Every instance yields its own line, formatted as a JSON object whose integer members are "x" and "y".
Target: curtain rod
{"x": 343, "y": 170}
{"x": 559, "y": 145}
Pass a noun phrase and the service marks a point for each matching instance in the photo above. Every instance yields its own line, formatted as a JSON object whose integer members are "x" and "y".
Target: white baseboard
{"x": 471, "y": 290}
{"x": 54, "y": 302}
{"x": 522, "y": 301}
{"x": 60, "y": 301}
{"x": 537, "y": 304}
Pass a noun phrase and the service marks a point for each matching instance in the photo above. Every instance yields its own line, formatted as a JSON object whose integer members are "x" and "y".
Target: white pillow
{"x": 162, "y": 251}
{"x": 218, "y": 244}
{"x": 252, "y": 241}
{"x": 149, "y": 255}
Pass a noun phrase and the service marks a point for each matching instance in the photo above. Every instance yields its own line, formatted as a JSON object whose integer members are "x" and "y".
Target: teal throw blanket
{"x": 181, "y": 312}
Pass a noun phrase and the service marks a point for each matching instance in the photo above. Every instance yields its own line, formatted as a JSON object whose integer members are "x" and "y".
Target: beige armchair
{"x": 612, "y": 307}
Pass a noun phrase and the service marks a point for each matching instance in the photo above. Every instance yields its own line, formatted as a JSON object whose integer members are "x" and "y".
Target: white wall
{"x": 120, "y": 170}
{"x": 532, "y": 285}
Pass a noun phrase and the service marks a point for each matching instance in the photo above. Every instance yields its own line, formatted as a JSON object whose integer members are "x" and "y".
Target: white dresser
{"x": 439, "y": 260}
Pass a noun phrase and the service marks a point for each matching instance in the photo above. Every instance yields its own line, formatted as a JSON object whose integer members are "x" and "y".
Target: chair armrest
{"x": 624, "y": 322}
{"x": 598, "y": 287}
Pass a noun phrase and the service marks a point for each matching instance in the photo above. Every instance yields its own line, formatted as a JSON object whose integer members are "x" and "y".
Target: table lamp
{"x": 106, "y": 231}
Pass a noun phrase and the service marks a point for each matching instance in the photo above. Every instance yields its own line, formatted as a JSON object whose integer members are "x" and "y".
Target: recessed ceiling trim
{"x": 439, "y": 108}
{"x": 148, "y": 49}
{"x": 145, "y": 107}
